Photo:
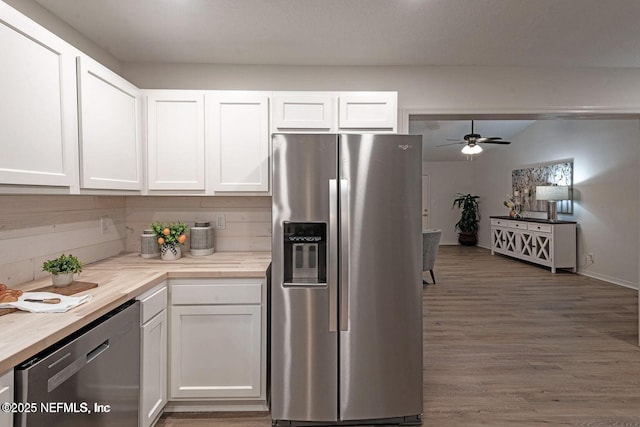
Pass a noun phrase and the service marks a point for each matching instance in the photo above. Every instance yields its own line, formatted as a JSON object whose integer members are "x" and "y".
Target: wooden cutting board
{"x": 74, "y": 288}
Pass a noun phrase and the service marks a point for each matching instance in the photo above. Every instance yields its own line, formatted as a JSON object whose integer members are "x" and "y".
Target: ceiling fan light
{"x": 471, "y": 149}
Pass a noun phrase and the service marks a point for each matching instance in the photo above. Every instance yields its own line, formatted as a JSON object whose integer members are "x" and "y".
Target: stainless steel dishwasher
{"x": 90, "y": 378}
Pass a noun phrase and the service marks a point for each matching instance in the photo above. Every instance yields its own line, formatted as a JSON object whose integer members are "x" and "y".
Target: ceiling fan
{"x": 471, "y": 142}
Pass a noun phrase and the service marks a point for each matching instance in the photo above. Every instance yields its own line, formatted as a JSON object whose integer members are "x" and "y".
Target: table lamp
{"x": 552, "y": 194}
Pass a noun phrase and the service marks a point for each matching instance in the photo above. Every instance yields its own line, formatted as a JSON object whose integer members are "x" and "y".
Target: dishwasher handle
{"x": 97, "y": 351}
{"x": 73, "y": 368}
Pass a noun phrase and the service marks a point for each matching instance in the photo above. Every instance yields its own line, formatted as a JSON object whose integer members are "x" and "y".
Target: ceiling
{"x": 562, "y": 33}
{"x": 437, "y": 132}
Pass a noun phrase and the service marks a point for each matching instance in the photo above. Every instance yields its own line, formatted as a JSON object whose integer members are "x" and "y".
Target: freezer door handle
{"x": 344, "y": 255}
{"x": 333, "y": 255}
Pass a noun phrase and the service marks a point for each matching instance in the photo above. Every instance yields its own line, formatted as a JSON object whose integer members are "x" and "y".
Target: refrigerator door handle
{"x": 333, "y": 255}
{"x": 344, "y": 255}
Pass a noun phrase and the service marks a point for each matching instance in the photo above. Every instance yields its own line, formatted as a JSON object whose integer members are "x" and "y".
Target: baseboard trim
{"x": 609, "y": 279}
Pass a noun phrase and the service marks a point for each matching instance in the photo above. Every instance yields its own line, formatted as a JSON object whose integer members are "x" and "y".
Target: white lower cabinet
{"x": 153, "y": 355}
{"x": 6, "y": 395}
{"x": 550, "y": 244}
{"x": 218, "y": 340}
{"x": 216, "y": 351}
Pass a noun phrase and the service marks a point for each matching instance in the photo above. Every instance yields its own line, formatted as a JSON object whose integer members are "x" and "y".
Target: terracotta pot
{"x": 468, "y": 239}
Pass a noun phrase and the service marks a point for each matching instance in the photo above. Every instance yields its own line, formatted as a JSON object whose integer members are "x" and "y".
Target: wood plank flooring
{"x": 507, "y": 343}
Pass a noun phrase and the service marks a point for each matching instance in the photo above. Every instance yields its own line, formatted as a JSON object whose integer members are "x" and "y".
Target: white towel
{"x": 66, "y": 302}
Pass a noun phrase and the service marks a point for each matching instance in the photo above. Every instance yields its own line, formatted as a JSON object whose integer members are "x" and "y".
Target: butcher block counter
{"x": 119, "y": 279}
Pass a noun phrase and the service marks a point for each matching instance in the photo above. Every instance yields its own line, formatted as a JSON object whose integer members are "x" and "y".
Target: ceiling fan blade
{"x": 497, "y": 142}
{"x": 492, "y": 138}
{"x": 452, "y": 143}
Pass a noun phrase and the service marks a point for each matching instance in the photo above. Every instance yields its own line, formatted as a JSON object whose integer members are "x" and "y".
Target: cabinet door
{"x": 504, "y": 240}
{"x": 238, "y": 134}
{"x": 215, "y": 351}
{"x": 175, "y": 140}
{"x": 369, "y": 111}
{"x": 303, "y": 112}
{"x": 498, "y": 239}
{"x": 510, "y": 241}
{"x": 542, "y": 248}
{"x": 6, "y": 395}
{"x": 153, "y": 369}
{"x": 526, "y": 244}
{"x": 38, "y": 118}
{"x": 109, "y": 129}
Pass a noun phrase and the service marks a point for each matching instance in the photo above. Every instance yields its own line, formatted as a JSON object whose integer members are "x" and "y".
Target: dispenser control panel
{"x": 305, "y": 253}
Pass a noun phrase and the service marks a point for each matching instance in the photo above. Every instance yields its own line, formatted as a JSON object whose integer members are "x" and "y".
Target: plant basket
{"x": 468, "y": 239}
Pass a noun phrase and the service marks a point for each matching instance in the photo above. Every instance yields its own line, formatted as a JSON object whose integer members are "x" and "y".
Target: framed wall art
{"x": 524, "y": 182}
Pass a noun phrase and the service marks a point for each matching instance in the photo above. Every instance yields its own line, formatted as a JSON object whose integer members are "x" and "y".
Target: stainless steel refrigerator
{"x": 346, "y": 288}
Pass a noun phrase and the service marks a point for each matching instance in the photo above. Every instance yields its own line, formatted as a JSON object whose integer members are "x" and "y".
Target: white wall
{"x": 36, "y": 228}
{"x": 248, "y": 219}
{"x": 606, "y": 156}
{"x": 63, "y": 30}
{"x": 446, "y": 180}
{"x": 439, "y": 89}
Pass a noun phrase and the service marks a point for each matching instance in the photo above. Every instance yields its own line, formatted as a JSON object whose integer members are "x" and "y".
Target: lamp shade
{"x": 552, "y": 192}
{"x": 471, "y": 149}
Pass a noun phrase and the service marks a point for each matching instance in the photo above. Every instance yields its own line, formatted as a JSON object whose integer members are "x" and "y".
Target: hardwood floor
{"x": 509, "y": 343}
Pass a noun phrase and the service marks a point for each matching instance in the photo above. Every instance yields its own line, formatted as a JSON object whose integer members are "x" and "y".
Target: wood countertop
{"x": 119, "y": 278}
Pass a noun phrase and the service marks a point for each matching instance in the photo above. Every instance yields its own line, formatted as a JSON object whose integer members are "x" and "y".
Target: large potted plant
{"x": 467, "y": 226}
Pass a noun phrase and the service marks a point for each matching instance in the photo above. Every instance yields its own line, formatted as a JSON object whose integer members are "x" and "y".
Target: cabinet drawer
{"x": 500, "y": 222}
{"x": 153, "y": 302}
{"x": 540, "y": 227}
{"x": 517, "y": 224}
{"x": 216, "y": 293}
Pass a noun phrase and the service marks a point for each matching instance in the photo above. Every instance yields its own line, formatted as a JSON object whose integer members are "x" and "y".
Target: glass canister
{"x": 149, "y": 245}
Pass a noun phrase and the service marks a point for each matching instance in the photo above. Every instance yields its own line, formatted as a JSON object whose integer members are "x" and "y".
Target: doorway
{"x": 426, "y": 219}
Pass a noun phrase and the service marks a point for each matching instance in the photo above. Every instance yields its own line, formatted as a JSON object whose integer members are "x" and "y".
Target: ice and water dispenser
{"x": 305, "y": 253}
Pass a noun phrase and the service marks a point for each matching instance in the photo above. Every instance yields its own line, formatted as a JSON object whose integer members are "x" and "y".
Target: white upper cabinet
{"x": 109, "y": 119}
{"x": 373, "y": 111}
{"x": 237, "y": 132}
{"x": 175, "y": 140}
{"x": 332, "y": 112}
{"x": 304, "y": 112}
{"x": 38, "y": 120}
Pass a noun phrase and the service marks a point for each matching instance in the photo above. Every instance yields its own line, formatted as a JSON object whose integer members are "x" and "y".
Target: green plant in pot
{"x": 62, "y": 269}
{"x": 467, "y": 226}
{"x": 169, "y": 237}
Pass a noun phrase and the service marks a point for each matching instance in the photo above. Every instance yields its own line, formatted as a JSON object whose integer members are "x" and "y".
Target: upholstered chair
{"x": 430, "y": 243}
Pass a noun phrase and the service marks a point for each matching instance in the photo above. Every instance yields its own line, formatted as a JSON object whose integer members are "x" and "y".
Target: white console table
{"x": 552, "y": 244}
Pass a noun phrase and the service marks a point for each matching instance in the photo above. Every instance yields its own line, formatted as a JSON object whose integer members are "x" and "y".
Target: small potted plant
{"x": 62, "y": 269}
{"x": 469, "y": 218}
{"x": 170, "y": 236}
